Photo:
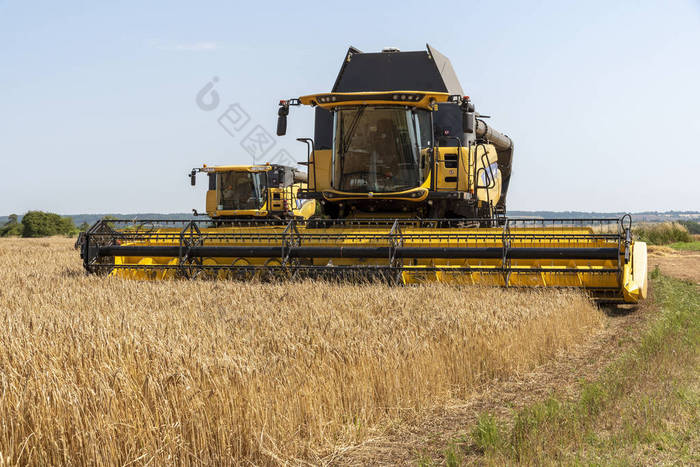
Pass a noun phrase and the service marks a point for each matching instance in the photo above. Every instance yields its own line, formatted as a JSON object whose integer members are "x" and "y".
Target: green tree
{"x": 692, "y": 226}
{"x": 44, "y": 224}
{"x": 12, "y": 227}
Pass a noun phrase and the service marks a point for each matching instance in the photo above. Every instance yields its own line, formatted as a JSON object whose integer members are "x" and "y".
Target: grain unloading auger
{"x": 411, "y": 184}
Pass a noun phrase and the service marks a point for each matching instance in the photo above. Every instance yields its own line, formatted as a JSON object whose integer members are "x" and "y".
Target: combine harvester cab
{"x": 269, "y": 191}
{"x": 411, "y": 187}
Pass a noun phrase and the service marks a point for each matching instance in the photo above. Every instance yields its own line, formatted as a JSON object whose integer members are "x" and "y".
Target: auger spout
{"x": 498, "y": 139}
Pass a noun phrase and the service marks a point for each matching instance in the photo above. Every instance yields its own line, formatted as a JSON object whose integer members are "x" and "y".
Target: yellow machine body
{"x": 244, "y": 191}
{"x": 479, "y": 176}
{"x": 471, "y": 170}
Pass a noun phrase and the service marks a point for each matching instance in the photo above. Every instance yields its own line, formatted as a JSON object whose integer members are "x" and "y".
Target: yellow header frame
{"x": 421, "y": 99}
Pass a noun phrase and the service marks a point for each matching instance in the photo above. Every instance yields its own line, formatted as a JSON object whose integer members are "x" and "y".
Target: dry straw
{"x": 102, "y": 370}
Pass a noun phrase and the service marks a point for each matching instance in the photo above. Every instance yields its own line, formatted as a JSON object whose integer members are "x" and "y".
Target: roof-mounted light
{"x": 406, "y": 97}
{"x": 403, "y": 97}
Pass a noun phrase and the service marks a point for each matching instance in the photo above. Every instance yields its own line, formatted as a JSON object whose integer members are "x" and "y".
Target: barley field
{"x": 103, "y": 370}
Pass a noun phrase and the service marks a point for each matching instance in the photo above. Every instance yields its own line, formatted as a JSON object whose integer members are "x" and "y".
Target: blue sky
{"x": 98, "y": 111}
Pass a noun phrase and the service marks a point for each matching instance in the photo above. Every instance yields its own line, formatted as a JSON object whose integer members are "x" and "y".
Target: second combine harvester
{"x": 411, "y": 184}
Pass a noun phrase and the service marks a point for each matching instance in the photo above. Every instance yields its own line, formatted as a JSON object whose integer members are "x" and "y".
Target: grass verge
{"x": 643, "y": 408}
{"x": 686, "y": 246}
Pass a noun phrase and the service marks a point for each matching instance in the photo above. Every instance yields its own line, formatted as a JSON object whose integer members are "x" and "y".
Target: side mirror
{"x": 193, "y": 178}
{"x": 282, "y": 120}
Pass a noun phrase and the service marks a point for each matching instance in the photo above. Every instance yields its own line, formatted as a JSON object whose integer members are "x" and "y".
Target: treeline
{"x": 692, "y": 226}
{"x": 40, "y": 224}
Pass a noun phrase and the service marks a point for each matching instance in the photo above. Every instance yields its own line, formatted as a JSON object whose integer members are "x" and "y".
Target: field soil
{"x": 684, "y": 265}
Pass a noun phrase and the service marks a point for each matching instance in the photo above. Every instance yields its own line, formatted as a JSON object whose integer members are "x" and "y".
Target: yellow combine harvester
{"x": 411, "y": 184}
{"x": 238, "y": 192}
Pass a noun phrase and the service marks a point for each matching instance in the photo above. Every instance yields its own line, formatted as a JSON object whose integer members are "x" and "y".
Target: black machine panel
{"x": 323, "y": 129}
{"x": 447, "y": 122}
{"x": 397, "y": 71}
{"x": 389, "y": 71}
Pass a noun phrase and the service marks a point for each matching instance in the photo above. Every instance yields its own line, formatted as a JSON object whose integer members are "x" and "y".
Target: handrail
{"x": 310, "y": 149}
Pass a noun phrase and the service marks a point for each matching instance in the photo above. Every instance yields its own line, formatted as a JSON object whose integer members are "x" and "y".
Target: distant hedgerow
{"x": 662, "y": 233}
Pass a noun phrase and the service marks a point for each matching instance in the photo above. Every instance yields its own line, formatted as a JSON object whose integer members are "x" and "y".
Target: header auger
{"x": 411, "y": 187}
